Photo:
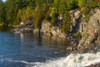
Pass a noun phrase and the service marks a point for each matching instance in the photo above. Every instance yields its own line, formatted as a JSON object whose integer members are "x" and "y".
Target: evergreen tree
{"x": 10, "y": 11}
{"x": 54, "y": 17}
{"x": 62, "y": 6}
{"x": 2, "y": 12}
{"x": 81, "y": 3}
{"x": 72, "y": 4}
{"x": 66, "y": 22}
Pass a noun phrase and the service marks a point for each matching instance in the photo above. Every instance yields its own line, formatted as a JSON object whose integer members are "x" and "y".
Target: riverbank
{"x": 84, "y": 32}
{"x": 4, "y": 27}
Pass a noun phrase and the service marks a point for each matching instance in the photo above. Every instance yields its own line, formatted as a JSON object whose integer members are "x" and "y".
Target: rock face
{"x": 47, "y": 29}
{"x": 98, "y": 40}
{"x": 90, "y": 31}
{"x": 76, "y": 20}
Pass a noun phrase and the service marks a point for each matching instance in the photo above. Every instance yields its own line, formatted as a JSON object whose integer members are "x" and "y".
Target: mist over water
{"x": 22, "y": 50}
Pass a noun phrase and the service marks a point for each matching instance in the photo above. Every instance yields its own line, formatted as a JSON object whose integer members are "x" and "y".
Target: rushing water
{"x": 20, "y": 50}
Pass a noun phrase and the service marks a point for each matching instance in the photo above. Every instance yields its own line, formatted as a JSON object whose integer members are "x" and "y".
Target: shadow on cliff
{"x": 76, "y": 27}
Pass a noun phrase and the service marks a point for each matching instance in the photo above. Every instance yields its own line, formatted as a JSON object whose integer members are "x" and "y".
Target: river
{"x": 25, "y": 50}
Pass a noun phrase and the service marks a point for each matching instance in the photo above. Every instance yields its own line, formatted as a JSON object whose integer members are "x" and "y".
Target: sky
{"x": 3, "y": 0}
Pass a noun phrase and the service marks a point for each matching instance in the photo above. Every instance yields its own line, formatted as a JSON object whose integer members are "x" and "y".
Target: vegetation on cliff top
{"x": 12, "y": 12}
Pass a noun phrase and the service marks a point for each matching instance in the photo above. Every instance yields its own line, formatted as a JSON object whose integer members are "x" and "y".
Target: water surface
{"x": 20, "y": 50}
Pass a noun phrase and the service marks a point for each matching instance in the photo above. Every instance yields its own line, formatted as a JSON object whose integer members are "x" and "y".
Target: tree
{"x": 38, "y": 17}
{"x": 66, "y": 22}
{"x": 30, "y": 3}
{"x": 62, "y": 6}
{"x": 26, "y": 13}
{"x": 54, "y": 17}
{"x": 56, "y": 4}
{"x": 40, "y": 2}
{"x": 71, "y": 4}
{"x": 19, "y": 4}
{"x": 10, "y": 11}
{"x": 81, "y": 3}
{"x": 2, "y": 14}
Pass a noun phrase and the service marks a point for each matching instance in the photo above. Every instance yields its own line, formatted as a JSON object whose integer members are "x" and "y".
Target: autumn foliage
{"x": 99, "y": 1}
{"x": 19, "y": 11}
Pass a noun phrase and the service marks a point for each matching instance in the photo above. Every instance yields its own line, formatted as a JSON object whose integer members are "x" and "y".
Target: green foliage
{"x": 10, "y": 11}
{"x": 38, "y": 17}
{"x": 72, "y": 4}
{"x": 47, "y": 16}
{"x": 92, "y": 3}
{"x": 76, "y": 34}
{"x": 56, "y": 4}
{"x": 39, "y": 14}
{"x": 30, "y": 3}
{"x": 85, "y": 36}
{"x": 19, "y": 4}
{"x": 54, "y": 18}
{"x": 86, "y": 10}
{"x": 41, "y": 2}
{"x": 62, "y": 6}
{"x": 2, "y": 14}
{"x": 26, "y": 13}
{"x": 81, "y": 3}
{"x": 98, "y": 3}
{"x": 66, "y": 22}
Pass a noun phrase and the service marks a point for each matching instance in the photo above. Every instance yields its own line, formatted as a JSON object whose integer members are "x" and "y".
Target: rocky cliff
{"x": 47, "y": 29}
{"x": 84, "y": 32}
{"x": 90, "y": 31}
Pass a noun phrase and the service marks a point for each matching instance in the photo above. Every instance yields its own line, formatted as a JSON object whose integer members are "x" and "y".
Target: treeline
{"x": 12, "y": 12}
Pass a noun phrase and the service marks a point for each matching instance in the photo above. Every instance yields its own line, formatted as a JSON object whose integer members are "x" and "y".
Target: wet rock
{"x": 36, "y": 31}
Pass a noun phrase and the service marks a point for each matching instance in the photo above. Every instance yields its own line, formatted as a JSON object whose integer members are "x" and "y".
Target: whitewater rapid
{"x": 73, "y": 60}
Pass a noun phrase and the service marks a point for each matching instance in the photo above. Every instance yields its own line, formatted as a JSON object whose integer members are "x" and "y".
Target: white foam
{"x": 73, "y": 60}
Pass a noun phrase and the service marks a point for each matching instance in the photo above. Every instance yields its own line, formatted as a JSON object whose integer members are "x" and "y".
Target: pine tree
{"x": 62, "y": 6}
{"x": 66, "y": 22}
{"x": 10, "y": 11}
{"x": 2, "y": 12}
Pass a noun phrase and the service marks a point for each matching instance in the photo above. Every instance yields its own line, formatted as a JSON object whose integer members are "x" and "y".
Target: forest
{"x": 12, "y": 12}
